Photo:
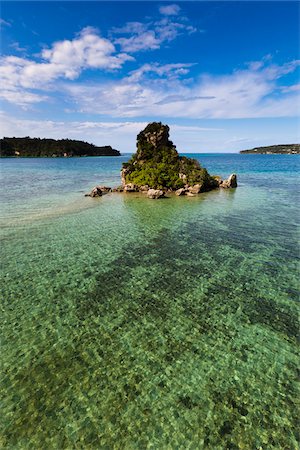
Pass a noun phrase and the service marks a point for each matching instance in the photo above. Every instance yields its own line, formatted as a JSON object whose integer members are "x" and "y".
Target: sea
{"x": 130, "y": 323}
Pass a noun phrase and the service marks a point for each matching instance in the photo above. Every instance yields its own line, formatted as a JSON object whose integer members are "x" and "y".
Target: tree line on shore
{"x": 36, "y": 147}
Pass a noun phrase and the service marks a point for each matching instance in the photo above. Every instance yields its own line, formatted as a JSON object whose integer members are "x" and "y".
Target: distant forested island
{"x": 285, "y": 149}
{"x": 36, "y": 147}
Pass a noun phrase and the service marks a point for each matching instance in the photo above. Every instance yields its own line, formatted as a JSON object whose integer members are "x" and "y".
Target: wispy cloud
{"x": 130, "y": 28}
{"x": 170, "y": 10}
{"x": 245, "y": 93}
{"x": 146, "y": 40}
{"x": 4, "y": 23}
{"x": 181, "y": 98}
{"x": 152, "y": 34}
{"x": 22, "y": 97}
{"x": 17, "y": 47}
{"x": 293, "y": 88}
{"x": 169, "y": 71}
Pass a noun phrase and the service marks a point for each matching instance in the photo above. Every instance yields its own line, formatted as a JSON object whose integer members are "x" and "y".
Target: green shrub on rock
{"x": 157, "y": 163}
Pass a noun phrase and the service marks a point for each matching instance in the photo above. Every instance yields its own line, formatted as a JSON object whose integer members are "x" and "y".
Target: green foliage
{"x": 35, "y": 147}
{"x": 157, "y": 163}
{"x": 156, "y": 175}
{"x": 195, "y": 174}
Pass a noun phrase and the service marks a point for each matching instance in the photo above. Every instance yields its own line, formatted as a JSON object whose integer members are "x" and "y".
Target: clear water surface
{"x": 129, "y": 323}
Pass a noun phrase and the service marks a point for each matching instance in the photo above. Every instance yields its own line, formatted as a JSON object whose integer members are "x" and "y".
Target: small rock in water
{"x": 131, "y": 187}
{"x": 95, "y": 192}
{"x": 231, "y": 182}
{"x": 144, "y": 188}
{"x": 118, "y": 189}
{"x": 196, "y": 189}
{"x": 155, "y": 193}
{"x": 105, "y": 189}
{"x": 180, "y": 191}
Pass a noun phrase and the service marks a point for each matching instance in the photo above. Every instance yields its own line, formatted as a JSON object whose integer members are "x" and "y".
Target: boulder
{"x": 196, "y": 189}
{"x": 144, "y": 188}
{"x": 118, "y": 189}
{"x": 190, "y": 194}
{"x": 231, "y": 182}
{"x": 105, "y": 189}
{"x": 130, "y": 187}
{"x": 180, "y": 191}
{"x": 95, "y": 192}
{"x": 155, "y": 193}
{"x": 217, "y": 179}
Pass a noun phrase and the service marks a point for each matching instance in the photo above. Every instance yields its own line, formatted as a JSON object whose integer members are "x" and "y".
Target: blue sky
{"x": 223, "y": 75}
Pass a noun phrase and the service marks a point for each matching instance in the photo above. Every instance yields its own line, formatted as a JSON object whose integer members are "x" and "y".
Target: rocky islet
{"x": 157, "y": 169}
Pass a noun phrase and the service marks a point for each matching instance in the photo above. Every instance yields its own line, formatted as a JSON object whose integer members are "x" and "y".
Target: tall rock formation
{"x": 157, "y": 164}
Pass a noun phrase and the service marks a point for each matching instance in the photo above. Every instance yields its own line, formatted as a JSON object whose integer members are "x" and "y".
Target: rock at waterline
{"x": 196, "y": 189}
{"x": 105, "y": 189}
{"x": 231, "y": 182}
{"x": 155, "y": 193}
{"x": 181, "y": 191}
{"x": 95, "y": 192}
{"x": 130, "y": 187}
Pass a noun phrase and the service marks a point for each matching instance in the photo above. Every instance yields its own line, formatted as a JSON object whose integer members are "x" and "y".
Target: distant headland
{"x": 284, "y": 149}
{"x": 36, "y": 148}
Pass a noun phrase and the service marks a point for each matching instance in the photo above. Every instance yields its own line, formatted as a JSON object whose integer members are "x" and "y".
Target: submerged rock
{"x": 155, "y": 193}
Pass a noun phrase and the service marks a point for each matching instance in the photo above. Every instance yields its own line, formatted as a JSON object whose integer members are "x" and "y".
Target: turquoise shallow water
{"x": 131, "y": 323}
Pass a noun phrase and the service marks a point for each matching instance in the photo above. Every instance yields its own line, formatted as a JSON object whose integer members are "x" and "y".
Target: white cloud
{"x": 181, "y": 98}
{"x": 130, "y": 28}
{"x": 89, "y": 50}
{"x": 243, "y": 94}
{"x": 170, "y": 71}
{"x": 22, "y": 98}
{"x": 151, "y": 35}
{"x": 169, "y": 10}
{"x": 16, "y": 46}
{"x": 293, "y": 88}
{"x": 65, "y": 59}
{"x": 143, "y": 41}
